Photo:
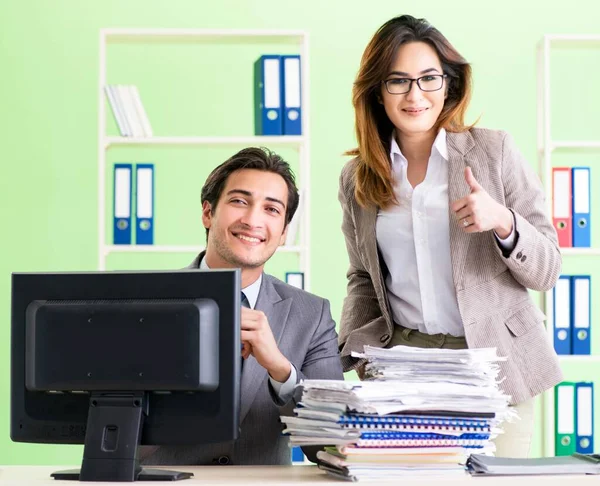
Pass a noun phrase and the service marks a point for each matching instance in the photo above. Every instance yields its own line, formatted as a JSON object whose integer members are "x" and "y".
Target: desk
{"x": 284, "y": 475}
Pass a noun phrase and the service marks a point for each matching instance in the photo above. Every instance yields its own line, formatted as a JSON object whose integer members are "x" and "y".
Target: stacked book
{"x": 128, "y": 110}
{"x": 420, "y": 411}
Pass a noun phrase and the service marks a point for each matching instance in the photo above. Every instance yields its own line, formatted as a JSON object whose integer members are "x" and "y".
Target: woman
{"x": 444, "y": 223}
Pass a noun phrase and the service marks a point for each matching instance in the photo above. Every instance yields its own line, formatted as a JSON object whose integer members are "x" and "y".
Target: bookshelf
{"x": 546, "y": 146}
{"x": 301, "y": 144}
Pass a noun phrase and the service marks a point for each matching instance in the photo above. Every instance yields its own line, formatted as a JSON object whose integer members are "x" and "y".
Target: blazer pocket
{"x": 524, "y": 319}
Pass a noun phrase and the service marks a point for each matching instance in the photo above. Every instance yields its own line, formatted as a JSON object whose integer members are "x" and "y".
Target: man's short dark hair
{"x": 258, "y": 158}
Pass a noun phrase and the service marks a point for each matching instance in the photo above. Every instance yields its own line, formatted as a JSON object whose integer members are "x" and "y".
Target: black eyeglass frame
{"x": 418, "y": 80}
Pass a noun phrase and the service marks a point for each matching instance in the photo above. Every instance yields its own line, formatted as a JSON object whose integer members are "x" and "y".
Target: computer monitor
{"x": 114, "y": 360}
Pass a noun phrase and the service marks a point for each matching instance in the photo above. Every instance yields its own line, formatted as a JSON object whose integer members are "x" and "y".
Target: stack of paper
{"x": 421, "y": 410}
{"x": 500, "y": 466}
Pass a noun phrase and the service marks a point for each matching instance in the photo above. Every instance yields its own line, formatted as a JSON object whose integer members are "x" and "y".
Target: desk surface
{"x": 286, "y": 475}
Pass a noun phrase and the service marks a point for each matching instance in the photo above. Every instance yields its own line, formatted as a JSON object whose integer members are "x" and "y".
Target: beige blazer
{"x": 491, "y": 288}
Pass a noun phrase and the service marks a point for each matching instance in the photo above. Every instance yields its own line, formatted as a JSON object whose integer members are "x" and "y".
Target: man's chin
{"x": 249, "y": 262}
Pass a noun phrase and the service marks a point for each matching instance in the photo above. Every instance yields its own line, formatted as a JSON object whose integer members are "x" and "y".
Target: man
{"x": 287, "y": 333}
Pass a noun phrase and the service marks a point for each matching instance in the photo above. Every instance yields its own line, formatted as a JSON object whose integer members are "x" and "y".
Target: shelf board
{"x": 252, "y": 35}
{"x": 177, "y": 249}
{"x": 248, "y": 140}
{"x": 580, "y": 251}
{"x": 572, "y": 37}
{"x": 579, "y": 358}
{"x": 574, "y": 144}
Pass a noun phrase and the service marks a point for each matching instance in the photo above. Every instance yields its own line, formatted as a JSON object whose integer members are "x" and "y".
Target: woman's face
{"x": 416, "y": 111}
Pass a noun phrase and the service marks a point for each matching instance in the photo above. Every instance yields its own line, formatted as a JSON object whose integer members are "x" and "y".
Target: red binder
{"x": 562, "y": 200}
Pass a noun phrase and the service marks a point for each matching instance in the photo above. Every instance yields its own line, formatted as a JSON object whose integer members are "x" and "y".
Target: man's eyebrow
{"x": 240, "y": 191}
{"x": 275, "y": 200}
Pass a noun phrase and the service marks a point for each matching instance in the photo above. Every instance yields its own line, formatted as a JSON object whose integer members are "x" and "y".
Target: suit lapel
{"x": 277, "y": 310}
{"x": 368, "y": 237}
{"x": 460, "y": 157}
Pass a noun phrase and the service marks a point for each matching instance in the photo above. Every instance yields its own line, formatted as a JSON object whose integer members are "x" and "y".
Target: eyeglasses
{"x": 429, "y": 82}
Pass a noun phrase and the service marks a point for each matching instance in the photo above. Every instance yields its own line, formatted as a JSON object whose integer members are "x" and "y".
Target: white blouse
{"x": 414, "y": 240}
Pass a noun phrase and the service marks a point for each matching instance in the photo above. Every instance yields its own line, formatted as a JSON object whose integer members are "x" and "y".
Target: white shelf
{"x": 573, "y": 144}
{"x": 249, "y": 140}
{"x": 579, "y": 358}
{"x": 298, "y": 39}
{"x": 206, "y": 34}
{"x": 546, "y": 145}
{"x": 580, "y": 251}
{"x": 572, "y": 37}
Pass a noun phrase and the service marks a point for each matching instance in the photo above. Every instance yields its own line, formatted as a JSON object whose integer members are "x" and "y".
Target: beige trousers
{"x": 516, "y": 439}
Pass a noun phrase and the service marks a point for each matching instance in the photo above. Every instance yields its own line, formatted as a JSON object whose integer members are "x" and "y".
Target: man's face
{"x": 248, "y": 224}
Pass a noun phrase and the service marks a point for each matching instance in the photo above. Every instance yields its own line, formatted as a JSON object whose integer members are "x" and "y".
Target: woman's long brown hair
{"x": 373, "y": 177}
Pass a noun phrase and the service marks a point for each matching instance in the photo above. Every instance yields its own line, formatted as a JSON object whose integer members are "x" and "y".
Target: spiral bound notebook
{"x": 412, "y": 436}
{"x": 470, "y": 443}
{"x": 413, "y": 420}
{"x": 454, "y": 431}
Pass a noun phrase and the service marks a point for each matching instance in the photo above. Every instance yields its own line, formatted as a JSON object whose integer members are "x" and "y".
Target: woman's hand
{"x": 479, "y": 212}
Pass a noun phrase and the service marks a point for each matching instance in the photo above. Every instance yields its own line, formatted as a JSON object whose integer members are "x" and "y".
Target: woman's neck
{"x": 417, "y": 146}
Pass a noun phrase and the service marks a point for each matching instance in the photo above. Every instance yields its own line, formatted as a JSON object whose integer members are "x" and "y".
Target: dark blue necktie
{"x": 245, "y": 303}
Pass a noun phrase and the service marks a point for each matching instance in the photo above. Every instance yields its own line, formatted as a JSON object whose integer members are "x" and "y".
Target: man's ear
{"x": 283, "y": 235}
{"x": 207, "y": 214}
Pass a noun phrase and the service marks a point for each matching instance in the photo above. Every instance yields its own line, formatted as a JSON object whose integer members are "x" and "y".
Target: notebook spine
{"x": 416, "y": 421}
{"x": 417, "y": 428}
{"x": 421, "y": 443}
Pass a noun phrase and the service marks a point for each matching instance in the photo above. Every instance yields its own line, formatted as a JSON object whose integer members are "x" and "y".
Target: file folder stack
{"x": 574, "y": 418}
{"x": 277, "y": 93}
{"x": 571, "y": 206}
{"x": 572, "y": 315}
{"x": 420, "y": 411}
{"x": 123, "y": 204}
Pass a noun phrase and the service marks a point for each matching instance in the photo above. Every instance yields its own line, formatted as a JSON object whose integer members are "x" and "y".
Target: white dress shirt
{"x": 283, "y": 390}
{"x": 414, "y": 240}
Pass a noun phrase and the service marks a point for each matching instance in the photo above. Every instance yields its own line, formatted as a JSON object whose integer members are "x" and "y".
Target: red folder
{"x": 562, "y": 200}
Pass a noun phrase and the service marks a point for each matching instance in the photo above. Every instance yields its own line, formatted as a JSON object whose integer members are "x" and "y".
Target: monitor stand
{"x": 112, "y": 437}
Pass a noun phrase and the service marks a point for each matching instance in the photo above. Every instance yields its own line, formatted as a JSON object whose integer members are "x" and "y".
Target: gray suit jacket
{"x": 305, "y": 333}
{"x": 491, "y": 286}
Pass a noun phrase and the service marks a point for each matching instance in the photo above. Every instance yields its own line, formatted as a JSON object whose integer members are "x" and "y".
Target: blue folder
{"x": 144, "y": 234}
{"x": 291, "y": 95}
{"x": 581, "y": 314}
{"x": 267, "y": 95}
{"x": 581, "y": 207}
{"x": 562, "y": 315}
{"x": 122, "y": 204}
{"x": 584, "y": 397}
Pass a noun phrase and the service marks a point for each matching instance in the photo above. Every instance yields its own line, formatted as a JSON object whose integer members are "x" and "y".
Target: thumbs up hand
{"x": 479, "y": 212}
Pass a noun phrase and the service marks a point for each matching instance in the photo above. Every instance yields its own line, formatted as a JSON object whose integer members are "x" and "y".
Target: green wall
{"x": 48, "y": 122}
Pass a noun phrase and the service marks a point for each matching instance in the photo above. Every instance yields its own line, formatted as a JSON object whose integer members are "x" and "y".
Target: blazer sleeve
{"x": 535, "y": 261}
{"x": 322, "y": 360}
{"x": 361, "y": 307}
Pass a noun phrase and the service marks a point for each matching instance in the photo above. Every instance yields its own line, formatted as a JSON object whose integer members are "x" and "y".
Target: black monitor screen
{"x": 165, "y": 344}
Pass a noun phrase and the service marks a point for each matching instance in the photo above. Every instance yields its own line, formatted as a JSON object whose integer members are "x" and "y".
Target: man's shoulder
{"x": 300, "y": 297}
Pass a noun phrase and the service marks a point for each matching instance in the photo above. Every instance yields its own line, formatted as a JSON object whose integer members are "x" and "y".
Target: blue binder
{"x": 584, "y": 398}
{"x": 144, "y": 216}
{"x": 291, "y": 95}
{"x": 122, "y": 204}
{"x": 562, "y": 315}
{"x": 581, "y": 314}
{"x": 267, "y": 95}
{"x": 581, "y": 207}
{"x": 297, "y": 454}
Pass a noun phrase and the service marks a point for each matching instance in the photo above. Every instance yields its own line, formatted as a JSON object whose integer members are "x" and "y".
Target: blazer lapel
{"x": 277, "y": 310}
{"x": 459, "y": 147}
{"x": 367, "y": 235}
